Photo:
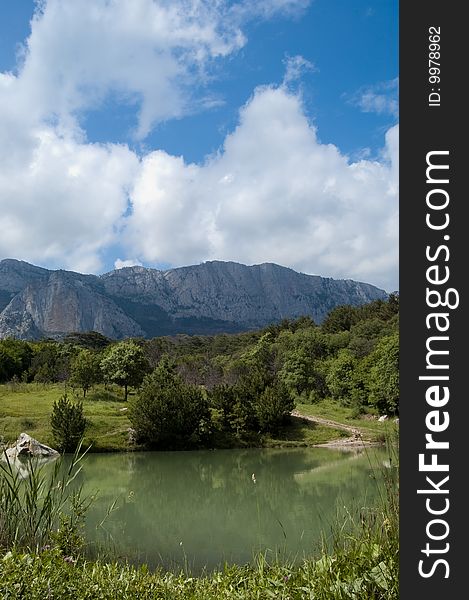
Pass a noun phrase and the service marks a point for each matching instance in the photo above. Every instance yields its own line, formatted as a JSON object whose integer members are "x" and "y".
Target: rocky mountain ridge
{"x": 209, "y": 298}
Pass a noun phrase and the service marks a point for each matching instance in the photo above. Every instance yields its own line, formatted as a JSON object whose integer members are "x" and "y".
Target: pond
{"x": 198, "y": 509}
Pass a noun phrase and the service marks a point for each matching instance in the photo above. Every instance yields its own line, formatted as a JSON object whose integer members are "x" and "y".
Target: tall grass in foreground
{"x": 358, "y": 563}
{"x": 362, "y": 559}
{"x": 40, "y": 507}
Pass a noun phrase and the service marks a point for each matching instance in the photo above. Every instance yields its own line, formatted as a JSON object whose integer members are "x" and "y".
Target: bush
{"x": 68, "y": 423}
{"x": 169, "y": 413}
{"x": 272, "y": 406}
{"x": 235, "y": 405}
{"x": 15, "y": 358}
{"x": 385, "y": 375}
{"x": 222, "y": 399}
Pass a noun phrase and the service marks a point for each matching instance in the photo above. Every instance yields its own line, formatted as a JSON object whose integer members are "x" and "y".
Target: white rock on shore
{"x": 27, "y": 446}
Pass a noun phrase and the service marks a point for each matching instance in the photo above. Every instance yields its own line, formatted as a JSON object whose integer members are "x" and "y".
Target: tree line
{"x": 188, "y": 389}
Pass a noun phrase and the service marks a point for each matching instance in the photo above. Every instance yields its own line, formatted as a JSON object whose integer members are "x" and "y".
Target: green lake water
{"x": 198, "y": 509}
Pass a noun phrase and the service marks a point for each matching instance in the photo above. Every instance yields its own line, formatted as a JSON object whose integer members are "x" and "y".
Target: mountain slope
{"x": 135, "y": 301}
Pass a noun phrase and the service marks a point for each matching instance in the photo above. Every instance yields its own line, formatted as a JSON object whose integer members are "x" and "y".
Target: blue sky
{"x": 168, "y": 133}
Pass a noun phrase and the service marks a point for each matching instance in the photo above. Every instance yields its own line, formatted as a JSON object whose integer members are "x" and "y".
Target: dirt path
{"x": 357, "y": 436}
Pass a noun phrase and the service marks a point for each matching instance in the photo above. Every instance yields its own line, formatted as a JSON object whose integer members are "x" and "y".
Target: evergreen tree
{"x": 168, "y": 413}
{"x": 68, "y": 423}
{"x": 272, "y": 406}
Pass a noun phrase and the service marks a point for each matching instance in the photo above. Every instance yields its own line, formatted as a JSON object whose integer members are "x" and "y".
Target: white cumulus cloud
{"x": 146, "y": 53}
{"x": 273, "y": 193}
{"x": 381, "y": 98}
{"x": 154, "y": 55}
{"x": 61, "y": 201}
{"x": 128, "y": 262}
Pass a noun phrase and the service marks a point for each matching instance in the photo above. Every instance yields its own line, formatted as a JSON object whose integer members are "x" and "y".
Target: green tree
{"x": 86, "y": 370}
{"x": 262, "y": 357}
{"x": 15, "y": 358}
{"x": 272, "y": 406}
{"x": 92, "y": 340}
{"x": 9, "y": 365}
{"x": 68, "y": 423}
{"x": 125, "y": 364}
{"x": 235, "y": 404}
{"x": 297, "y": 372}
{"x": 384, "y": 374}
{"x": 223, "y": 398}
{"x": 364, "y": 336}
{"x": 340, "y": 319}
{"x": 167, "y": 413}
{"x": 51, "y": 361}
{"x": 340, "y": 377}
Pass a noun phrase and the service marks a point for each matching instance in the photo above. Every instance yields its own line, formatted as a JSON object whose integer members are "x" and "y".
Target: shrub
{"x": 169, "y": 413}
{"x": 68, "y": 423}
{"x": 234, "y": 405}
{"x": 15, "y": 358}
{"x": 385, "y": 375}
{"x": 272, "y": 406}
{"x": 222, "y": 399}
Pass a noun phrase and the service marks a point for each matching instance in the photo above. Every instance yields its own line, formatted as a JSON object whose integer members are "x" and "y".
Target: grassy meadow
{"x": 27, "y": 408}
{"x": 370, "y": 428}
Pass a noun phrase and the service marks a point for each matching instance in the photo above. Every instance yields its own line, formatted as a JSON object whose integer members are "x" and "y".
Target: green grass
{"x": 359, "y": 560}
{"x": 295, "y": 433}
{"x": 47, "y": 575}
{"x": 27, "y": 407}
{"x": 41, "y": 508}
{"x": 301, "y": 433}
{"x": 330, "y": 409}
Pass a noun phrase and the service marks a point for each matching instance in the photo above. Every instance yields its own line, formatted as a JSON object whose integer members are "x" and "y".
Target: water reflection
{"x": 199, "y": 509}
{"x": 24, "y": 465}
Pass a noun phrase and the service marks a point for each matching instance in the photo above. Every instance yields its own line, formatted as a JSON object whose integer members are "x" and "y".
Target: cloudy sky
{"x": 170, "y": 132}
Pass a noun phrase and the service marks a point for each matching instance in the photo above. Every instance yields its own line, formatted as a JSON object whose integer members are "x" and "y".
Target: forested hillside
{"x": 201, "y": 386}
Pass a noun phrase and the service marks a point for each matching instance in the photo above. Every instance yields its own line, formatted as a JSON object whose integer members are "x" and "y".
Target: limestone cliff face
{"x": 136, "y": 301}
{"x": 62, "y": 302}
{"x": 15, "y": 275}
{"x": 233, "y": 292}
